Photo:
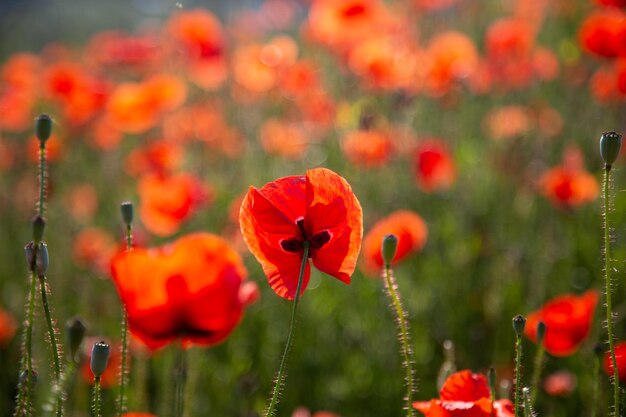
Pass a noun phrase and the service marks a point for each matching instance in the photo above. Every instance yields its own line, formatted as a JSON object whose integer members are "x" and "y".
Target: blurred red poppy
{"x": 318, "y": 207}
{"x": 192, "y": 289}
{"x": 569, "y": 185}
{"x": 434, "y": 167}
{"x": 568, "y": 322}
{"x": 560, "y": 383}
{"x": 465, "y": 394}
{"x": 93, "y": 248}
{"x": 7, "y": 327}
{"x": 367, "y": 148}
{"x": 280, "y": 137}
{"x": 406, "y": 225}
{"x": 138, "y": 415}
{"x": 603, "y": 33}
{"x": 620, "y": 357}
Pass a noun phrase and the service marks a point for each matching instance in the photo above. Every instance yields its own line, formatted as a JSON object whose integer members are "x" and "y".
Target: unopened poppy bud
{"x": 42, "y": 259}
{"x": 541, "y": 332}
{"x": 33, "y": 377}
{"x": 127, "y": 212}
{"x": 29, "y": 251}
{"x": 43, "y": 128}
{"x": 519, "y": 323}
{"x": 39, "y": 226}
{"x": 75, "y": 333}
{"x": 610, "y": 144}
{"x": 389, "y": 248}
{"x": 99, "y": 358}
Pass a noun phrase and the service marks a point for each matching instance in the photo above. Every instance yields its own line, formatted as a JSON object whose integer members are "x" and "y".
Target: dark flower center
{"x": 296, "y": 244}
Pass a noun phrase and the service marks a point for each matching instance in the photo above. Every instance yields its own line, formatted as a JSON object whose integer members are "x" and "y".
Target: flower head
{"x": 465, "y": 394}
{"x": 318, "y": 208}
{"x": 568, "y": 322}
{"x": 192, "y": 289}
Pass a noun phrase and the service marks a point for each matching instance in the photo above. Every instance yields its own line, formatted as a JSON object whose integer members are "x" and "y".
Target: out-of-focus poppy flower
{"x": 559, "y": 384}
{"x": 7, "y": 327}
{"x": 190, "y": 289}
{"x": 299, "y": 79}
{"x": 136, "y": 107}
{"x": 319, "y": 208}
{"x": 119, "y": 49}
{"x": 507, "y": 122}
{"x": 616, "y": 3}
{"x": 367, "y": 148}
{"x": 304, "y": 412}
{"x": 93, "y": 248}
{"x": 603, "y": 33}
{"x": 569, "y": 185}
{"x": 199, "y": 35}
{"x": 19, "y": 78}
{"x": 167, "y": 201}
{"x": 509, "y": 38}
{"x": 451, "y": 56}
{"x": 433, "y": 5}
{"x": 465, "y": 394}
{"x": 160, "y": 157}
{"x": 282, "y": 138}
{"x": 7, "y": 155}
{"x": 109, "y": 377}
{"x": 407, "y": 226}
{"x": 433, "y": 166}
{"x": 81, "y": 202}
{"x": 341, "y": 23}
{"x": 104, "y": 135}
{"x": 138, "y": 415}
{"x": 620, "y": 358}
{"x": 545, "y": 64}
{"x": 568, "y": 322}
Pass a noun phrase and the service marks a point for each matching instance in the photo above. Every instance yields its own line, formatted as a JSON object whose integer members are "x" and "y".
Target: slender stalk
{"x": 25, "y": 385}
{"x": 518, "y": 377}
{"x": 538, "y": 366}
{"x": 180, "y": 376}
{"x": 404, "y": 338}
{"x": 528, "y": 406}
{"x": 51, "y": 329}
{"x": 283, "y": 362}
{"x": 96, "y": 397}
{"x": 121, "y": 401}
{"x": 607, "y": 276}
{"x": 42, "y": 177}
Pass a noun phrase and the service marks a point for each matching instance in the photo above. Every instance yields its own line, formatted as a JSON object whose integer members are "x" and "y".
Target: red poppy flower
{"x": 434, "y": 167}
{"x": 620, "y": 357}
{"x": 192, "y": 289}
{"x": 560, "y": 383}
{"x": 407, "y": 226}
{"x": 7, "y": 327}
{"x": 367, "y": 148}
{"x": 568, "y": 322}
{"x": 603, "y": 33}
{"x": 318, "y": 207}
{"x": 465, "y": 394}
{"x": 569, "y": 185}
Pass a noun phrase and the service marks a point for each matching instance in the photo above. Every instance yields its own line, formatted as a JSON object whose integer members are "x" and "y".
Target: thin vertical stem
{"x": 281, "y": 370}
{"x": 42, "y": 177}
{"x": 518, "y": 377}
{"x": 180, "y": 376}
{"x": 404, "y": 338}
{"x": 51, "y": 329}
{"x": 607, "y": 276}
{"x": 123, "y": 368}
{"x": 538, "y": 366}
{"x": 25, "y": 387}
{"x": 96, "y": 397}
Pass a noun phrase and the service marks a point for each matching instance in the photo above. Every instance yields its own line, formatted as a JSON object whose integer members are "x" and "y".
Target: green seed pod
{"x": 29, "y": 251}
{"x": 610, "y": 144}
{"x": 75, "y": 329}
{"x": 42, "y": 260}
{"x": 43, "y": 128}
{"x": 389, "y": 248}
{"x": 99, "y": 358}
{"x": 541, "y": 332}
{"x": 519, "y": 323}
{"x": 39, "y": 226}
{"x": 127, "y": 212}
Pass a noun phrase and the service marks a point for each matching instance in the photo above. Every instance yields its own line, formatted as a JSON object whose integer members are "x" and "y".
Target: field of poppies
{"x": 317, "y": 208}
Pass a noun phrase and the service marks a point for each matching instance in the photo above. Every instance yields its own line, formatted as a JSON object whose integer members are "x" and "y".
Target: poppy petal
{"x": 465, "y": 386}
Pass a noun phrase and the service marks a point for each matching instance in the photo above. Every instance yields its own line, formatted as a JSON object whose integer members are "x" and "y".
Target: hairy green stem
{"x": 283, "y": 362}
{"x": 607, "y": 276}
{"x": 121, "y": 401}
{"x": 404, "y": 338}
{"x": 51, "y": 330}
{"x": 180, "y": 376}
{"x": 538, "y": 366}
{"x": 96, "y": 397}
{"x": 42, "y": 177}
{"x": 25, "y": 385}
{"x": 518, "y": 377}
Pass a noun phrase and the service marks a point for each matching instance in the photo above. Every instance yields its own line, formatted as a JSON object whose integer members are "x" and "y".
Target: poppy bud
{"x": 33, "y": 377}
{"x": 42, "y": 259}
{"x": 99, "y": 358}
{"x": 75, "y": 329}
{"x": 610, "y": 144}
{"x": 39, "y": 226}
{"x": 127, "y": 212}
{"x": 389, "y": 248}
{"x": 541, "y": 332}
{"x": 29, "y": 251}
{"x": 519, "y": 322}
{"x": 43, "y": 128}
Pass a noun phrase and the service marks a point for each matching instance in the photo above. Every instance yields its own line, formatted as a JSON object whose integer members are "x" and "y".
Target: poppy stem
{"x": 528, "y": 406}
{"x": 405, "y": 340}
{"x": 96, "y": 397}
{"x": 180, "y": 376}
{"x": 518, "y": 371}
{"x": 42, "y": 177}
{"x": 23, "y": 401}
{"x": 607, "y": 276}
{"x": 121, "y": 401}
{"x": 278, "y": 385}
{"x": 538, "y": 366}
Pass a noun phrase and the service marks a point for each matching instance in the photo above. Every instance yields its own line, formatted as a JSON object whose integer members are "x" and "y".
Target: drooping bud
{"x": 99, "y": 358}
{"x": 75, "y": 329}
{"x": 29, "y": 251}
{"x": 43, "y": 128}
{"x": 519, "y": 323}
{"x": 610, "y": 144}
{"x": 541, "y": 332}
{"x": 42, "y": 260}
{"x": 39, "y": 226}
{"x": 127, "y": 212}
{"x": 389, "y": 248}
